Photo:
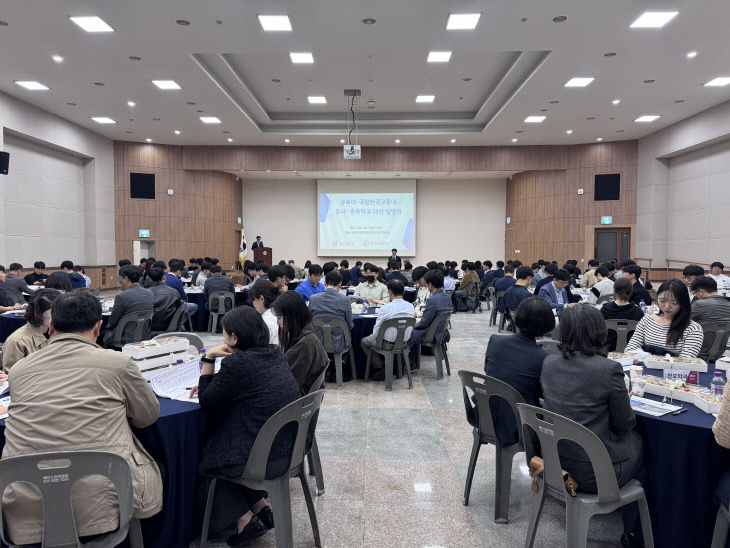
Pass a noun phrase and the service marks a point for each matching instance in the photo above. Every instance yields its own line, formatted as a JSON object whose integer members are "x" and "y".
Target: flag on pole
{"x": 243, "y": 251}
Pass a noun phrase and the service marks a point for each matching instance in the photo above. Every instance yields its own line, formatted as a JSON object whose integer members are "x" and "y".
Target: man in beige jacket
{"x": 73, "y": 395}
{"x": 589, "y": 276}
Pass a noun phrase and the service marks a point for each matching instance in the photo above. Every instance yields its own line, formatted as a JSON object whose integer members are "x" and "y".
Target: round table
{"x": 410, "y": 294}
{"x": 200, "y": 318}
{"x": 363, "y": 325}
{"x": 9, "y": 322}
{"x": 683, "y": 467}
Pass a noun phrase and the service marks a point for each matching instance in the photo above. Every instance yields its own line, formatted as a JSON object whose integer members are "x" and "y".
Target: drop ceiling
{"x": 513, "y": 65}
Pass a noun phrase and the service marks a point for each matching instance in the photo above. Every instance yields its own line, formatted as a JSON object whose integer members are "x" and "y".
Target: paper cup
{"x": 637, "y": 387}
{"x": 636, "y": 371}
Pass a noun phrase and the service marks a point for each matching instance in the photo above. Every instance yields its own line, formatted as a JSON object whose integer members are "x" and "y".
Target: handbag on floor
{"x": 536, "y": 467}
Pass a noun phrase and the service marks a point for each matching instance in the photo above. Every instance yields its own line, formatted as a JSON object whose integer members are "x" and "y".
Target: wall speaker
{"x": 4, "y": 162}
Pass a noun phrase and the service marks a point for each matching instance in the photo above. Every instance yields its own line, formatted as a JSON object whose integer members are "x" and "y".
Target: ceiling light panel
{"x": 92, "y": 23}
{"x": 301, "y": 57}
{"x": 425, "y": 98}
{"x": 535, "y": 119}
{"x": 210, "y": 120}
{"x": 57, "y": 59}
{"x": 32, "y": 85}
{"x": 718, "y": 82}
{"x": 647, "y": 118}
{"x": 653, "y": 19}
{"x": 272, "y": 23}
{"x": 317, "y": 99}
{"x": 166, "y": 84}
{"x": 439, "y": 56}
{"x": 103, "y": 120}
{"x": 463, "y": 21}
{"x": 579, "y": 81}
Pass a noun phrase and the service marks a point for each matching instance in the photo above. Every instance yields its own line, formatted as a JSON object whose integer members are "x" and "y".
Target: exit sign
{"x": 606, "y": 220}
{"x": 144, "y": 233}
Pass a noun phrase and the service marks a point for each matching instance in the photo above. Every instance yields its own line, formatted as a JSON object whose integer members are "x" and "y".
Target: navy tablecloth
{"x": 9, "y": 323}
{"x": 362, "y": 327}
{"x": 200, "y": 318}
{"x": 683, "y": 465}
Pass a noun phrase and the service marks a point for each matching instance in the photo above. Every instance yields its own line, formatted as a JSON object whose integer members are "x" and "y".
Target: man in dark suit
{"x": 394, "y": 255}
{"x": 639, "y": 292}
{"x": 345, "y": 273}
{"x": 499, "y": 272}
{"x": 504, "y": 283}
{"x": 438, "y": 303}
{"x": 550, "y": 270}
{"x": 395, "y": 273}
{"x": 258, "y": 243}
{"x": 133, "y": 298}
{"x": 356, "y": 273}
{"x": 167, "y": 300}
{"x": 14, "y": 285}
{"x": 554, "y": 293}
{"x": 218, "y": 282}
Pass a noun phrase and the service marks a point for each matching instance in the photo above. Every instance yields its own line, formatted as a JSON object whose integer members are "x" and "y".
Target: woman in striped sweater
{"x": 671, "y": 330}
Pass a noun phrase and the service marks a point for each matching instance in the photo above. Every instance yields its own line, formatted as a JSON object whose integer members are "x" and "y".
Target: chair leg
{"x": 281, "y": 505}
{"x": 208, "y": 511}
{"x": 445, "y": 354}
{"x": 367, "y": 366}
{"x": 576, "y": 526}
{"x": 407, "y": 367}
{"x": 310, "y": 509}
{"x": 389, "y": 371}
{"x": 537, "y": 502}
{"x": 315, "y": 468}
{"x": 438, "y": 359}
{"x": 338, "y": 369}
{"x": 503, "y": 480}
{"x": 135, "y": 534}
{"x": 353, "y": 371}
{"x": 646, "y": 525}
{"x": 472, "y": 466}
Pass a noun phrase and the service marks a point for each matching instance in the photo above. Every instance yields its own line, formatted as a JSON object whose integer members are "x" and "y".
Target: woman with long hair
{"x": 671, "y": 330}
{"x": 262, "y": 295}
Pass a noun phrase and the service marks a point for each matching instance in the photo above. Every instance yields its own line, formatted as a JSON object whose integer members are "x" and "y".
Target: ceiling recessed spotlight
{"x": 647, "y": 118}
{"x": 718, "y": 82}
{"x": 599, "y": 139}
{"x": 199, "y": 110}
{"x": 463, "y": 21}
{"x": 397, "y": 141}
{"x": 129, "y": 132}
{"x": 276, "y": 80}
{"x": 275, "y": 22}
{"x": 191, "y": 102}
{"x": 466, "y": 79}
{"x": 425, "y": 98}
{"x": 177, "y": 132}
{"x": 591, "y": 118}
{"x": 103, "y": 120}
{"x": 569, "y": 131}
{"x": 520, "y": 131}
{"x": 368, "y": 21}
{"x": 514, "y": 139}
{"x": 679, "y": 101}
{"x": 288, "y": 141}
{"x": 135, "y": 58}
{"x": 131, "y": 104}
{"x": 342, "y": 141}
{"x": 619, "y": 131}
{"x": 148, "y": 140}
{"x": 57, "y": 58}
{"x": 649, "y": 81}
{"x": 166, "y": 84}
{"x": 317, "y": 99}
{"x": 183, "y": 22}
{"x": 653, "y": 19}
{"x": 99, "y": 84}
{"x": 453, "y": 140}
{"x": 210, "y": 120}
{"x": 157, "y": 119}
{"x": 301, "y": 57}
{"x": 616, "y": 101}
{"x": 610, "y": 54}
{"x": 32, "y": 85}
{"x": 554, "y": 102}
{"x": 226, "y": 132}
{"x": 560, "y": 19}
{"x": 535, "y": 119}
{"x": 579, "y": 82}
{"x": 691, "y": 54}
{"x": 92, "y": 24}
{"x": 71, "y": 104}
{"x": 543, "y": 110}
{"x": 229, "y": 140}
{"x": 438, "y": 57}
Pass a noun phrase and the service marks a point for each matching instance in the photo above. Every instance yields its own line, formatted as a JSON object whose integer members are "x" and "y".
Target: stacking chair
{"x": 722, "y": 523}
{"x": 326, "y": 324}
{"x": 484, "y": 389}
{"x": 622, "y": 328}
{"x": 439, "y": 347}
{"x": 194, "y": 339}
{"x": 53, "y": 475}
{"x": 390, "y": 350}
{"x": 550, "y": 428}
{"x": 301, "y": 412}
{"x": 219, "y": 298}
{"x": 555, "y": 333}
{"x": 472, "y": 299}
{"x": 142, "y": 328}
{"x": 493, "y": 304}
{"x": 484, "y": 295}
{"x": 718, "y": 333}
{"x": 175, "y": 322}
{"x": 313, "y": 461}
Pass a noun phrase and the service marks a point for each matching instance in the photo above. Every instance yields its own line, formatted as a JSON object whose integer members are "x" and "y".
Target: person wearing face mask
{"x": 33, "y": 335}
{"x": 372, "y": 289}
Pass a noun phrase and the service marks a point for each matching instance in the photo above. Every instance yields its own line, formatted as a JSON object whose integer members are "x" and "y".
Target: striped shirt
{"x": 650, "y": 333}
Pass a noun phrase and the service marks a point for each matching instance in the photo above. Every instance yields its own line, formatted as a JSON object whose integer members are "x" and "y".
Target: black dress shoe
{"x": 266, "y": 516}
{"x": 254, "y": 529}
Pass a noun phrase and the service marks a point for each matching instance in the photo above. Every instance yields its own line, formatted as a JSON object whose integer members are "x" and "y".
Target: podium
{"x": 262, "y": 254}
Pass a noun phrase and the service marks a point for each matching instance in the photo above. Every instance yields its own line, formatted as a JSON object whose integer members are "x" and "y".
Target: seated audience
{"x": 345, "y": 273}
{"x": 254, "y": 382}
{"x": 639, "y": 293}
{"x": 394, "y": 272}
{"x": 408, "y": 271}
{"x": 488, "y": 273}
{"x": 332, "y": 304}
{"x": 14, "y": 285}
{"x": 540, "y": 274}
{"x": 37, "y": 277}
{"x": 517, "y": 360}
{"x": 572, "y": 274}
{"x": 328, "y": 267}
{"x": 313, "y": 284}
{"x": 672, "y": 329}
{"x": 301, "y": 346}
{"x": 262, "y": 295}
{"x": 589, "y": 278}
{"x": 499, "y": 271}
{"x": 583, "y": 385}
{"x": 620, "y": 309}
{"x": 356, "y": 273}
{"x": 33, "y": 335}
{"x": 166, "y": 300}
{"x": 372, "y": 289}
{"x": 449, "y": 281}
{"x": 722, "y": 281}
{"x": 278, "y": 276}
{"x": 519, "y": 291}
{"x": 72, "y": 395}
{"x": 554, "y": 292}
{"x": 218, "y": 282}
{"x": 422, "y": 292}
{"x": 172, "y": 279}
{"x": 709, "y": 307}
{"x": 133, "y": 298}
{"x": 200, "y": 275}
{"x": 249, "y": 267}
{"x": 7, "y": 304}
{"x": 60, "y": 281}
{"x": 470, "y": 279}
{"x": 550, "y": 270}
{"x": 125, "y": 262}
{"x": 307, "y": 264}
{"x": 438, "y": 303}
{"x": 80, "y": 270}
{"x": 689, "y": 273}
{"x": 77, "y": 281}
{"x": 602, "y": 289}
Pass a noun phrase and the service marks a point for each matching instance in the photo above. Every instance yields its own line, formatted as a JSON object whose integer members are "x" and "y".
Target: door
{"x": 612, "y": 243}
{"x": 141, "y": 249}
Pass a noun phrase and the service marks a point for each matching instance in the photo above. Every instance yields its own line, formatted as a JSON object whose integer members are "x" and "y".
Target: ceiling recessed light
{"x": 599, "y": 139}
{"x": 183, "y": 22}
{"x": 191, "y": 102}
{"x": 371, "y": 106}
{"x": 157, "y": 119}
{"x": 649, "y": 81}
{"x": 342, "y": 141}
{"x": 579, "y": 82}
{"x": 554, "y": 102}
{"x": 135, "y": 58}
{"x": 560, "y": 19}
{"x": 368, "y": 21}
{"x": 99, "y": 84}
{"x": 619, "y": 131}
{"x": 691, "y": 54}
{"x": 610, "y": 54}
{"x": 397, "y": 141}
{"x": 74, "y": 104}
{"x": 177, "y": 132}
{"x": 463, "y": 21}
{"x": 453, "y": 140}
{"x": 276, "y": 80}
{"x": 301, "y": 57}
{"x": 569, "y": 131}
{"x": 438, "y": 57}
{"x": 148, "y": 140}
{"x": 229, "y": 140}
{"x": 317, "y": 99}
{"x": 92, "y": 24}
{"x": 288, "y": 141}
{"x": 210, "y": 120}
{"x": 32, "y": 85}
{"x": 647, "y": 118}
{"x": 166, "y": 84}
{"x": 591, "y": 118}
{"x": 425, "y": 98}
{"x": 679, "y": 101}
{"x": 57, "y": 58}
{"x": 653, "y": 19}
{"x": 131, "y": 103}
{"x": 616, "y": 101}
{"x": 718, "y": 82}
{"x": 103, "y": 120}
{"x": 535, "y": 119}
{"x": 275, "y": 22}
{"x": 129, "y": 132}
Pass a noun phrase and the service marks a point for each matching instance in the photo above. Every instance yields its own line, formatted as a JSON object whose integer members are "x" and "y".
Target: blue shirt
{"x": 176, "y": 283}
{"x": 306, "y": 289}
{"x": 397, "y": 308}
{"x": 449, "y": 283}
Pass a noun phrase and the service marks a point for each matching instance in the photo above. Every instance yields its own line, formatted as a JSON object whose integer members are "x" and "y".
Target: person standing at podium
{"x": 258, "y": 243}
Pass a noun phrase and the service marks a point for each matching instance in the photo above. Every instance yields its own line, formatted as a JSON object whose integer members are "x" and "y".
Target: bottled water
{"x": 643, "y": 306}
{"x": 717, "y": 386}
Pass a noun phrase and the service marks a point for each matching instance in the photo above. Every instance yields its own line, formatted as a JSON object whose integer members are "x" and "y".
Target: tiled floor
{"x": 395, "y": 464}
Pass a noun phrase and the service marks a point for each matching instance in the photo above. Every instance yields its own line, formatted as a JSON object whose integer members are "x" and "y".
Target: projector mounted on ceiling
{"x": 352, "y": 151}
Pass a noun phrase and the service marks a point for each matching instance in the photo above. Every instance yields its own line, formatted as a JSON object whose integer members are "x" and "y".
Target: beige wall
{"x": 454, "y": 219}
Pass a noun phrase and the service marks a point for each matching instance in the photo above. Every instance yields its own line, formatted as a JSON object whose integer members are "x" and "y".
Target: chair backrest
{"x": 484, "y": 389}
{"x": 142, "y": 328}
{"x": 605, "y": 299}
{"x": 219, "y": 298}
{"x": 401, "y": 325}
{"x": 441, "y": 319}
{"x": 326, "y": 324}
{"x": 177, "y": 318}
{"x": 54, "y": 474}
{"x": 300, "y": 412}
{"x": 449, "y": 292}
{"x": 499, "y": 294}
{"x": 472, "y": 296}
{"x": 718, "y": 333}
{"x": 194, "y": 339}
{"x": 550, "y": 428}
{"x": 318, "y": 384}
{"x": 622, "y": 329}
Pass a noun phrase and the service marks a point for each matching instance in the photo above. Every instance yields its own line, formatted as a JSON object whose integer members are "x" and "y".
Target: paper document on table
{"x": 651, "y": 407}
{"x": 175, "y": 383}
{"x": 4, "y": 405}
{"x": 4, "y": 387}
